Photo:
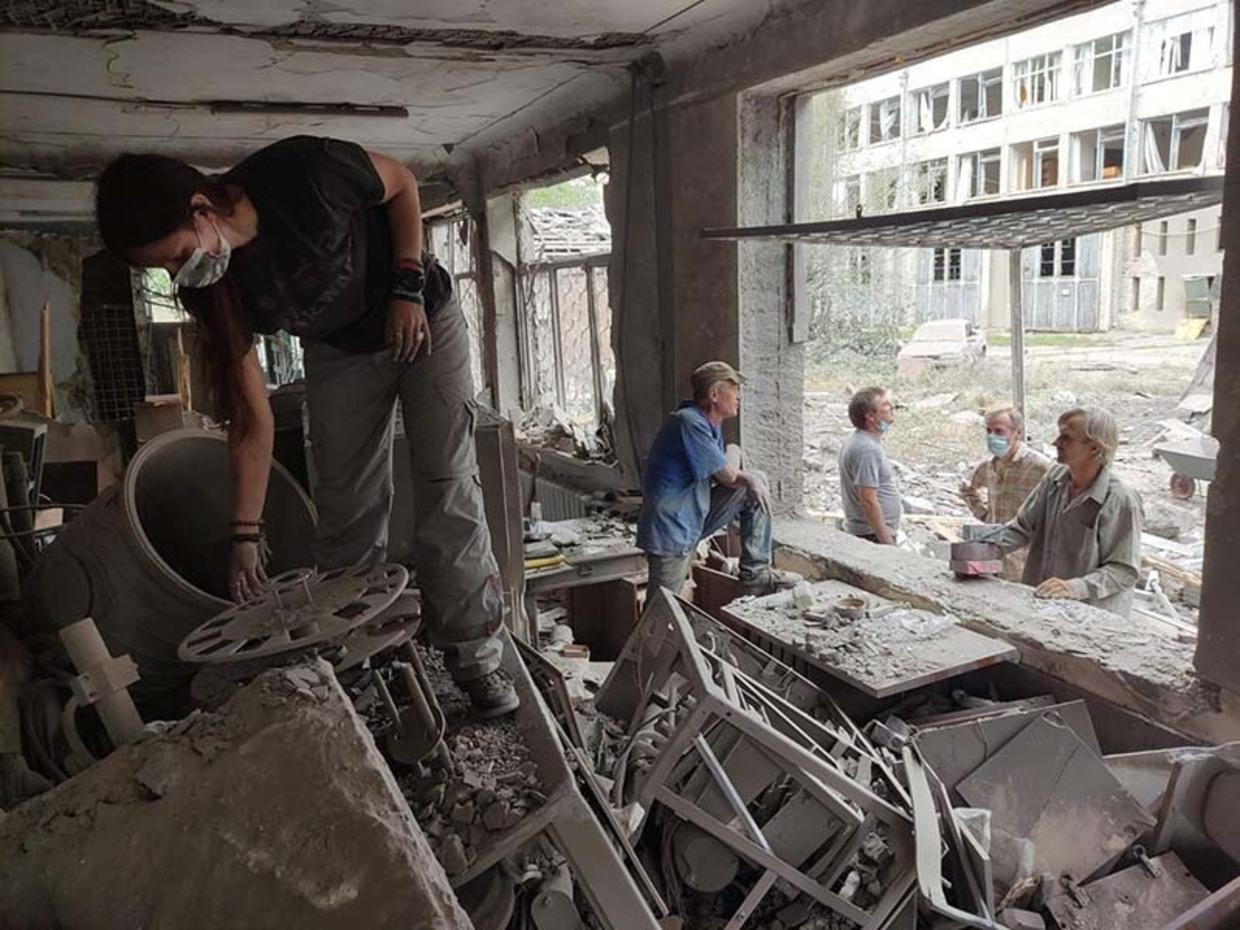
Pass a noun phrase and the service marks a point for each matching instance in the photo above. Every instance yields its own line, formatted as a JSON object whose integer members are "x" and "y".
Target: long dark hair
{"x": 139, "y": 200}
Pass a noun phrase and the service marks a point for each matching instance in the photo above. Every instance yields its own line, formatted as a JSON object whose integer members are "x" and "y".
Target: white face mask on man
{"x": 203, "y": 268}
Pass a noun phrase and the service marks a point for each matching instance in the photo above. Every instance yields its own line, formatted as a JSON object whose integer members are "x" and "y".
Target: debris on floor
{"x": 708, "y": 778}
{"x": 276, "y": 810}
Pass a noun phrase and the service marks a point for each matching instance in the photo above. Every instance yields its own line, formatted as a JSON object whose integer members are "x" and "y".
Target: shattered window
{"x": 564, "y": 319}
{"x": 885, "y": 120}
{"x": 932, "y": 181}
{"x": 929, "y": 107}
{"x": 1036, "y": 80}
{"x": 981, "y": 96}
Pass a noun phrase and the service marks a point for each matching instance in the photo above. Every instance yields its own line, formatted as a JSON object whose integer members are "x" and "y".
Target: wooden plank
{"x": 47, "y": 396}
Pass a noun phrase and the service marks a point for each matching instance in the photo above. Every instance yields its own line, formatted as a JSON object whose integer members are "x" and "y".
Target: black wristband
{"x": 408, "y": 280}
{"x": 246, "y": 537}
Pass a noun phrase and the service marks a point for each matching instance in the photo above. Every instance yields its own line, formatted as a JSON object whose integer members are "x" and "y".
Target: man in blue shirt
{"x": 694, "y": 486}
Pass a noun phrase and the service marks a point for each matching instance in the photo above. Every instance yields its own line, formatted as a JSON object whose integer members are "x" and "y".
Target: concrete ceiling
{"x": 212, "y": 80}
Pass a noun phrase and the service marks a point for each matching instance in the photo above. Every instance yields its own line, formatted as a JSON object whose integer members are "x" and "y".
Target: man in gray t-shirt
{"x": 867, "y": 484}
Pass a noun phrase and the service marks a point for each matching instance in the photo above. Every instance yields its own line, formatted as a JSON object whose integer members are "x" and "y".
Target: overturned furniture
{"x": 753, "y": 777}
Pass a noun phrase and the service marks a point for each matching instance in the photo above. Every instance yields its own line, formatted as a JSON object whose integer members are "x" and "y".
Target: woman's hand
{"x": 407, "y": 330}
{"x": 246, "y": 572}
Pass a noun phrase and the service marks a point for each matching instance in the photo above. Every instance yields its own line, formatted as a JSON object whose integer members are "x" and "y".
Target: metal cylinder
{"x": 148, "y": 559}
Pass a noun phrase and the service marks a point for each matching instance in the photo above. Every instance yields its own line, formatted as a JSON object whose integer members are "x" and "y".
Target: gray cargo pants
{"x": 352, "y": 400}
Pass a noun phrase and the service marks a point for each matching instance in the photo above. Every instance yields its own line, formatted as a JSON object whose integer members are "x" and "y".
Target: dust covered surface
{"x": 276, "y": 810}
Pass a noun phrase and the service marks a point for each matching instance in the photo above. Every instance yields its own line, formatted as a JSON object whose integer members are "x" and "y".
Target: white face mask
{"x": 203, "y": 268}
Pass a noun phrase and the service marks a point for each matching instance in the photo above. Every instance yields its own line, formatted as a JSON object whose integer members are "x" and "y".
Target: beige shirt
{"x": 1092, "y": 540}
{"x": 1007, "y": 482}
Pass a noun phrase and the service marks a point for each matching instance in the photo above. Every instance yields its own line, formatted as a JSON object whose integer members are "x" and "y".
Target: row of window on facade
{"x": 1175, "y": 46}
{"x": 1175, "y": 142}
{"x": 1055, "y": 260}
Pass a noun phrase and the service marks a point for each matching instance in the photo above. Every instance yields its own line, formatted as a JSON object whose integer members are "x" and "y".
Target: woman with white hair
{"x": 1081, "y": 523}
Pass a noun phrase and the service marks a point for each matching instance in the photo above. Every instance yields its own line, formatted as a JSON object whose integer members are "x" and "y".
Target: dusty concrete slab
{"x": 1135, "y": 663}
{"x": 276, "y": 811}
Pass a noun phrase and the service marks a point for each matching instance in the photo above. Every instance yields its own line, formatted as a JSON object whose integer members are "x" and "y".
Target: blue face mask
{"x": 998, "y": 445}
{"x": 883, "y": 426}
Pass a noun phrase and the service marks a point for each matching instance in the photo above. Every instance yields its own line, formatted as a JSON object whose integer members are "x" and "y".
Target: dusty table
{"x": 894, "y": 649}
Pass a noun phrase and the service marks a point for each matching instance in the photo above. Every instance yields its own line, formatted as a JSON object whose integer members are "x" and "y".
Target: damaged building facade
{"x": 886, "y": 745}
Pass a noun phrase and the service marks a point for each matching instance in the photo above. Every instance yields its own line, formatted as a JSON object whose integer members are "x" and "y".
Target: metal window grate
{"x": 109, "y": 334}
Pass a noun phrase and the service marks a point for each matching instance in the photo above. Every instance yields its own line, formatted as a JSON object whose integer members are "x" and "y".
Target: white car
{"x": 941, "y": 344}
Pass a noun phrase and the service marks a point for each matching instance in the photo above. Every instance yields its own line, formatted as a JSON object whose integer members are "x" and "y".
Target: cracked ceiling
{"x": 83, "y": 80}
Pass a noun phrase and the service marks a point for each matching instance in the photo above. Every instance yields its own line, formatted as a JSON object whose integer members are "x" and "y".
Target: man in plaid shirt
{"x": 1012, "y": 471}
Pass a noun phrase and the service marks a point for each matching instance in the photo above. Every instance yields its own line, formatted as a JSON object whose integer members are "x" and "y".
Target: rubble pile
{"x": 493, "y": 783}
{"x": 495, "y": 786}
{"x": 550, "y": 427}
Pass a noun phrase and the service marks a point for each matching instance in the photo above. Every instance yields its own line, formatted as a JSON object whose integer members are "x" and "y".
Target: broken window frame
{"x": 978, "y": 165}
{"x": 985, "y": 85}
{"x": 1036, "y": 80}
{"x": 881, "y": 190}
{"x": 1090, "y": 147}
{"x": 848, "y": 195}
{"x": 602, "y": 363}
{"x": 849, "y": 138}
{"x": 1044, "y": 151}
{"x": 1154, "y": 160}
{"x": 887, "y": 110}
{"x": 929, "y": 175}
{"x": 1115, "y": 57}
{"x": 1178, "y": 45}
{"x": 923, "y": 103}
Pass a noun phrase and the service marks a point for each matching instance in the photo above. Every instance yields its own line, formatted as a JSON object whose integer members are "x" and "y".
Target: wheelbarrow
{"x": 1192, "y": 459}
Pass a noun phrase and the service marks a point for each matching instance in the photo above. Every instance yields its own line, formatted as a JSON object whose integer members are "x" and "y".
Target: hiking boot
{"x": 770, "y": 581}
{"x": 492, "y": 695}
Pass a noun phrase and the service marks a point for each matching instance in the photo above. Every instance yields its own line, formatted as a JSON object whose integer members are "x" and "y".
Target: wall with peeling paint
{"x": 35, "y": 268}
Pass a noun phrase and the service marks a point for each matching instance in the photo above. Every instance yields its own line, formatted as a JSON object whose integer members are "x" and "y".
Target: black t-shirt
{"x": 320, "y": 266}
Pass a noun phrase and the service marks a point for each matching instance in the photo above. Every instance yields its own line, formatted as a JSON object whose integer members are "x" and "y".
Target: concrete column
{"x": 772, "y": 431}
{"x": 1218, "y": 635}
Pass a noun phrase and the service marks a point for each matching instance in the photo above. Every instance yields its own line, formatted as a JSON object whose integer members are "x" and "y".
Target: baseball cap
{"x": 706, "y": 375}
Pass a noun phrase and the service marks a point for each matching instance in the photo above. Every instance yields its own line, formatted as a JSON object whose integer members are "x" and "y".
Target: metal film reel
{"x": 295, "y": 613}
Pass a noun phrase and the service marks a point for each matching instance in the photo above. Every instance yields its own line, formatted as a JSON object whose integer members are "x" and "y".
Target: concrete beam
{"x": 45, "y": 200}
{"x": 795, "y": 46}
{"x": 1137, "y": 664}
